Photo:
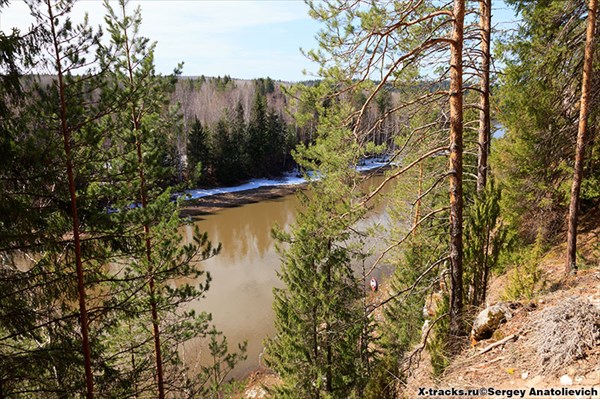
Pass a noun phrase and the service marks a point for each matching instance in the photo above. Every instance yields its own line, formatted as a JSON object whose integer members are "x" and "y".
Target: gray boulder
{"x": 489, "y": 320}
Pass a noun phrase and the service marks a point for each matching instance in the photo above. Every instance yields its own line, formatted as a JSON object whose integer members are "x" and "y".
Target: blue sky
{"x": 244, "y": 39}
{"x": 241, "y": 38}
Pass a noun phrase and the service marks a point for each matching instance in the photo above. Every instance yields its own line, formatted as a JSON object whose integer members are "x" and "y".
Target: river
{"x": 244, "y": 274}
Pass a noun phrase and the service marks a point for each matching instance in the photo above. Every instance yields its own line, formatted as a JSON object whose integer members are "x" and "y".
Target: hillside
{"x": 516, "y": 364}
{"x": 207, "y": 97}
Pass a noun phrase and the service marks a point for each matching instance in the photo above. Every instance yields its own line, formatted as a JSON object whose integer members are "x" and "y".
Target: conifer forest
{"x": 485, "y": 137}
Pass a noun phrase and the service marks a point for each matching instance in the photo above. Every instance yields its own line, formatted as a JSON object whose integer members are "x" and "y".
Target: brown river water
{"x": 244, "y": 274}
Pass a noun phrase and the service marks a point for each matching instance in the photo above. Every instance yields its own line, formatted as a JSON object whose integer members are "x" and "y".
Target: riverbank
{"x": 197, "y": 207}
{"x": 208, "y": 201}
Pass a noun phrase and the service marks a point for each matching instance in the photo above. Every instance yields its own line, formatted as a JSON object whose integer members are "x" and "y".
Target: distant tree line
{"x": 236, "y": 129}
{"x": 234, "y": 149}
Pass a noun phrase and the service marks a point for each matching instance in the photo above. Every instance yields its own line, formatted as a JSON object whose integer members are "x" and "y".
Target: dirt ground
{"x": 515, "y": 365}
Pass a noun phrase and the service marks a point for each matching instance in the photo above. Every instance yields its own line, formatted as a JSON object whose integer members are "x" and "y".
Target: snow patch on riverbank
{"x": 288, "y": 179}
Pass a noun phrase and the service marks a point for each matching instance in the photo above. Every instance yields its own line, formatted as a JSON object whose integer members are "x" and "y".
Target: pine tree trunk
{"x": 151, "y": 288}
{"x": 571, "y": 263}
{"x": 485, "y": 22}
{"x": 66, "y": 134}
{"x": 456, "y": 170}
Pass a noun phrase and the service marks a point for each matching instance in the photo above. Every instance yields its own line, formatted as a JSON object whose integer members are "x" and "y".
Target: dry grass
{"x": 565, "y": 332}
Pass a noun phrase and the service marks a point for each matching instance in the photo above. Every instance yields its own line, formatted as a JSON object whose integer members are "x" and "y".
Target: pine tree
{"x": 79, "y": 246}
{"x": 276, "y": 143}
{"x": 426, "y": 36}
{"x": 321, "y": 346}
{"x": 156, "y": 257}
{"x": 533, "y": 160}
{"x": 485, "y": 25}
{"x": 486, "y": 237}
{"x": 316, "y": 350}
{"x": 258, "y": 137}
{"x": 238, "y": 156}
{"x": 67, "y": 236}
{"x": 198, "y": 152}
{"x": 456, "y": 170}
{"x": 224, "y": 148}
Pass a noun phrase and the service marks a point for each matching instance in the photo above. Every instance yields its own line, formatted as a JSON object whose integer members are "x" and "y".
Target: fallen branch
{"x": 492, "y": 361}
{"x": 488, "y": 348}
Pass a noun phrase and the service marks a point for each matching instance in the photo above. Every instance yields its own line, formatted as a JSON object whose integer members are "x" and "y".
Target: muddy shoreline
{"x": 198, "y": 207}
{"x": 195, "y": 208}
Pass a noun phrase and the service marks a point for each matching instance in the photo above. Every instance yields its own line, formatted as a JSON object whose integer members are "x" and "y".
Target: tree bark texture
{"x": 456, "y": 169}
{"x": 571, "y": 261}
{"x": 485, "y": 22}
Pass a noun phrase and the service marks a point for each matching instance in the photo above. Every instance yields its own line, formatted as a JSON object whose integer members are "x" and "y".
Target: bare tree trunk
{"x": 456, "y": 169}
{"x": 571, "y": 262}
{"x": 328, "y": 333}
{"x": 66, "y": 134}
{"x": 485, "y": 22}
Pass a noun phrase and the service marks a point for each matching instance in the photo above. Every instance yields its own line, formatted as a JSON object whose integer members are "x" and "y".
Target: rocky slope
{"x": 522, "y": 362}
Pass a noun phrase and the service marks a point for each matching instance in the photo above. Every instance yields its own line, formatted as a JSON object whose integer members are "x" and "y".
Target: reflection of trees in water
{"x": 243, "y": 273}
{"x": 245, "y": 231}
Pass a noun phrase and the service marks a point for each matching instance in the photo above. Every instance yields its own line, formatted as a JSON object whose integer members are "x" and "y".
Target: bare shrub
{"x": 565, "y": 332}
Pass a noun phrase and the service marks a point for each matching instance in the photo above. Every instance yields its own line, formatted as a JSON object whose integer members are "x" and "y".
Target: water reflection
{"x": 244, "y": 273}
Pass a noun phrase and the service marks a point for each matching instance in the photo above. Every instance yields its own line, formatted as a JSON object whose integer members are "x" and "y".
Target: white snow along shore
{"x": 289, "y": 179}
